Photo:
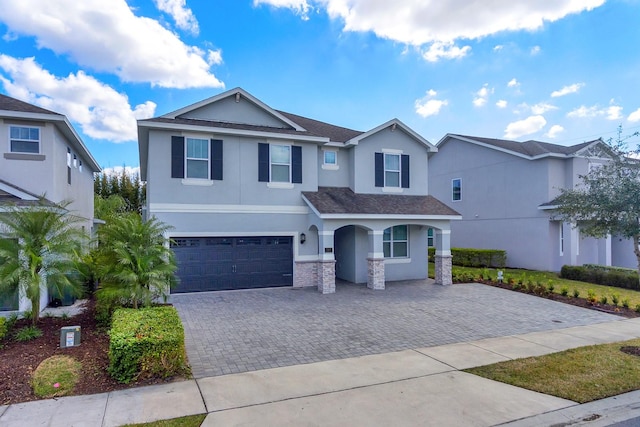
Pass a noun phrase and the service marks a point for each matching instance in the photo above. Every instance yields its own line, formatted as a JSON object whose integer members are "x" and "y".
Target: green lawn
{"x": 544, "y": 277}
{"x": 188, "y": 421}
{"x": 582, "y": 374}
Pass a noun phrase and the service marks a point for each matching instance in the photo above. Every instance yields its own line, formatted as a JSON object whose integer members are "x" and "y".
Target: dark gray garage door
{"x": 220, "y": 263}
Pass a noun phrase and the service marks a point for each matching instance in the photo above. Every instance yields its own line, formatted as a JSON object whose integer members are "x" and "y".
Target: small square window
{"x": 456, "y": 189}
{"x": 24, "y": 139}
{"x": 330, "y": 158}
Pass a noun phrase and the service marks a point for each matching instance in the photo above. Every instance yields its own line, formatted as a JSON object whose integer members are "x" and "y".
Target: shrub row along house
{"x": 42, "y": 155}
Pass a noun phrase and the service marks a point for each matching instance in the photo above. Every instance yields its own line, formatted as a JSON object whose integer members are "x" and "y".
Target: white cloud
{"x": 482, "y": 95}
{"x": 117, "y": 170}
{"x": 418, "y": 22}
{"x": 438, "y": 50}
{"x": 300, "y": 7}
{"x": 108, "y": 37}
{"x": 566, "y": 90}
{"x": 554, "y": 131}
{"x": 535, "y": 50}
{"x": 501, "y": 103}
{"x": 635, "y": 116}
{"x": 542, "y": 107}
{"x": 101, "y": 112}
{"x": 513, "y": 83}
{"x": 612, "y": 112}
{"x": 498, "y": 48}
{"x": 428, "y": 105}
{"x": 184, "y": 17}
{"x": 527, "y": 126}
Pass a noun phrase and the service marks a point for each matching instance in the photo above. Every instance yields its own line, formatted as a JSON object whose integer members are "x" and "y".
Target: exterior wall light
{"x": 303, "y": 238}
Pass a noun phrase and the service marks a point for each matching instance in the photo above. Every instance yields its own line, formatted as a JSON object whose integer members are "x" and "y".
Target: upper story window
{"x": 392, "y": 170}
{"x": 24, "y": 139}
{"x": 395, "y": 242}
{"x": 456, "y": 189}
{"x": 280, "y": 164}
{"x": 197, "y": 158}
{"x": 280, "y": 168}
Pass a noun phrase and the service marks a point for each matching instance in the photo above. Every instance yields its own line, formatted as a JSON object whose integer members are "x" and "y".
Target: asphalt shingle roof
{"x": 529, "y": 148}
{"x": 11, "y": 104}
{"x": 342, "y": 200}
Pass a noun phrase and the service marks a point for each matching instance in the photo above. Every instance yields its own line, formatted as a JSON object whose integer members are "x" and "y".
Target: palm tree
{"x": 39, "y": 248}
{"x": 134, "y": 264}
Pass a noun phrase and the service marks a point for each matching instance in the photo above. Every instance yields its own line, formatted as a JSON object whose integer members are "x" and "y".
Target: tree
{"x": 123, "y": 184}
{"x": 40, "y": 246}
{"x": 607, "y": 201}
{"x": 134, "y": 264}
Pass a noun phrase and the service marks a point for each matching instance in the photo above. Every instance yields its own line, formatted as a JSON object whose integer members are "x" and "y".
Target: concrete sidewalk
{"x": 407, "y": 388}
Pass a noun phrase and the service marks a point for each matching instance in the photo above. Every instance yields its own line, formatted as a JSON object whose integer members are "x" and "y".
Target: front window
{"x": 395, "y": 242}
{"x": 330, "y": 158}
{"x": 197, "y": 158}
{"x": 430, "y": 238}
{"x": 24, "y": 139}
{"x": 456, "y": 189}
{"x": 391, "y": 170}
{"x": 280, "y": 163}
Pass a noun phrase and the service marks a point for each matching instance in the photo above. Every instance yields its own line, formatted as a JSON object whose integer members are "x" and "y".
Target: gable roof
{"x": 529, "y": 149}
{"x": 336, "y": 201}
{"x": 16, "y": 109}
{"x": 12, "y": 195}
{"x": 394, "y": 124}
{"x": 333, "y": 132}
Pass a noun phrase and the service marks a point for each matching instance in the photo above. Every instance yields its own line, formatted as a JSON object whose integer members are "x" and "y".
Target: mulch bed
{"x": 18, "y": 360}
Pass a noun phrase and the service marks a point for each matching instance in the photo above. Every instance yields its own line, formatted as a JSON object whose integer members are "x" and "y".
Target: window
{"x": 391, "y": 170}
{"x": 75, "y": 161}
{"x": 68, "y": 165}
{"x": 430, "y": 237}
{"x": 456, "y": 189}
{"x": 561, "y": 238}
{"x": 24, "y": 139}
{"x": 280, "y": 160}
{"x": 80, "y": 167}
{"x": 395, "y": 242}
{"x": 197, "y": 158}
{"x": 330, "y": 158}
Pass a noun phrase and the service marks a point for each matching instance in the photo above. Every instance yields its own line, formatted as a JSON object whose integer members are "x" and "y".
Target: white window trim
{"x": 391, "y": 242}
{"x": 28, "y": 127}
{"x": 452, "y": 198}
{"x": 386, "y": 187}
{"x": 197, "y": 181}
{"x": 330, "y": 166}
{"x": 280, "y": 184}
{"x": 186, "y": 158}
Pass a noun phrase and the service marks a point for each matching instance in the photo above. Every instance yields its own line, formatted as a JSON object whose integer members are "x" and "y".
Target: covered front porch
{"x": 376, "y": 238}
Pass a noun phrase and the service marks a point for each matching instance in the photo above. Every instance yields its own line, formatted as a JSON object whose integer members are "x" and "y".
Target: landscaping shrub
{"x": 3, "y": 328}
{"x": 468, "y": 257}
{"x": 147, "y": 342}
{"x": 56, "y": 376}
{"x": 28, "y": 333}
{"x": 601, "y": 275}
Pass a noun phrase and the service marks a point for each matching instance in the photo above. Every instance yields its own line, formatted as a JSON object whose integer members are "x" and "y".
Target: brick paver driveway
{"x": 239, "y": 331}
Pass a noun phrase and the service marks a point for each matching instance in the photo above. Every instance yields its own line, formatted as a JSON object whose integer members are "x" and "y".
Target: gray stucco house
{"x": 505, "y": 191}
{"x": 259, "y": 197}
{"x": 42, "y": 155}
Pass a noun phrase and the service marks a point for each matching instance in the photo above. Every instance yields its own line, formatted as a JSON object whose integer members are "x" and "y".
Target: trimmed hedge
{"x": 147, "y": 342}
{"x": 601, "y": 275}
{"x": 468, "y": 257}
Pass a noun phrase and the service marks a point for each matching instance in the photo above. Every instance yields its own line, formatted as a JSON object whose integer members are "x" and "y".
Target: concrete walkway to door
{"x": 238, "y": 331}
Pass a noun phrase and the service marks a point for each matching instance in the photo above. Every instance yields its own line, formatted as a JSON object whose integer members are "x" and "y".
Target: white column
{"x": 326, "y": 262}
{"x": 443, "y": 259}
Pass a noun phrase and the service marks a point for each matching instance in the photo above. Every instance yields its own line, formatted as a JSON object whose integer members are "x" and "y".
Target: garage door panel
{"x": 222, "y": 263}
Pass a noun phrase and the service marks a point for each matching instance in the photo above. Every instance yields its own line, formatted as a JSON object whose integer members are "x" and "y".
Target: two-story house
{"x": 259, "y": 198}
{"x": 505, "y": 191}
{"x": 42, "y": 155}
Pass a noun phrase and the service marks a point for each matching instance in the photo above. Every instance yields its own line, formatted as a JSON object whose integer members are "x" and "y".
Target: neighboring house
{"x": 505, "y": 191}
{"x": 42, "y": 155}
{"x": 258, "y": 198}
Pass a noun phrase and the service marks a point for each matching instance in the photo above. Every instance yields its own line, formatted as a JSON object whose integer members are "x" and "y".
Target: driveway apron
{"x": 239, "y": 331}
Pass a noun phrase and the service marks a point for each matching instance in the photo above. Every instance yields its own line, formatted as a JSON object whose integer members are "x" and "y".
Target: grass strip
{"x": 582, "y": 374}
{"x": 188, "y": 421}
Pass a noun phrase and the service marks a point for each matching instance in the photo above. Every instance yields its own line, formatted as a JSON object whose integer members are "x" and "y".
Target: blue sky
{"x": 561, "y": 71}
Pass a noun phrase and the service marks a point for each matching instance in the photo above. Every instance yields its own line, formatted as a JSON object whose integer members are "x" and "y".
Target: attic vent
{"x": 238, "y": 97}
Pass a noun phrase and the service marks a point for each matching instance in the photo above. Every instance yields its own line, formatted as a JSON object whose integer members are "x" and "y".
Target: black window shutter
{"x": 216, "y": 159}
{"x": 379, "y": 170}
{"x": 263, "y": 162}
{"x": 177, "y": 157}
{"x": 296, "y": 164}
{"x": 404, "y": 170}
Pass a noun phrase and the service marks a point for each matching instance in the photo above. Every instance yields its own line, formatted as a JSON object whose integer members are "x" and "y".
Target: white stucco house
{"x": 259, "y": 197}
{"x": 42, "y": 155}
{"x": 505, "y": 192}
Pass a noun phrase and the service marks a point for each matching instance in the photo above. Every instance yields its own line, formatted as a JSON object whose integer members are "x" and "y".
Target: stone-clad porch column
{"x": 443, "y": 257}
{"x": 375, "y": 261}
{"x": 326, "y": 263}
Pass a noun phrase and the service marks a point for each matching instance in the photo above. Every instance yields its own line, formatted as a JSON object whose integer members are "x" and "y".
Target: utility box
{"x": 69, "y": 336}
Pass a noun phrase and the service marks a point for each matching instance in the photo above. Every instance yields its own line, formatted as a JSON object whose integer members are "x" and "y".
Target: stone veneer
{"x": 443, "y": 270}
{"x": 375, "y": 273}
{"x": 305, "y": 274}
{"x": 327, "y": 277}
